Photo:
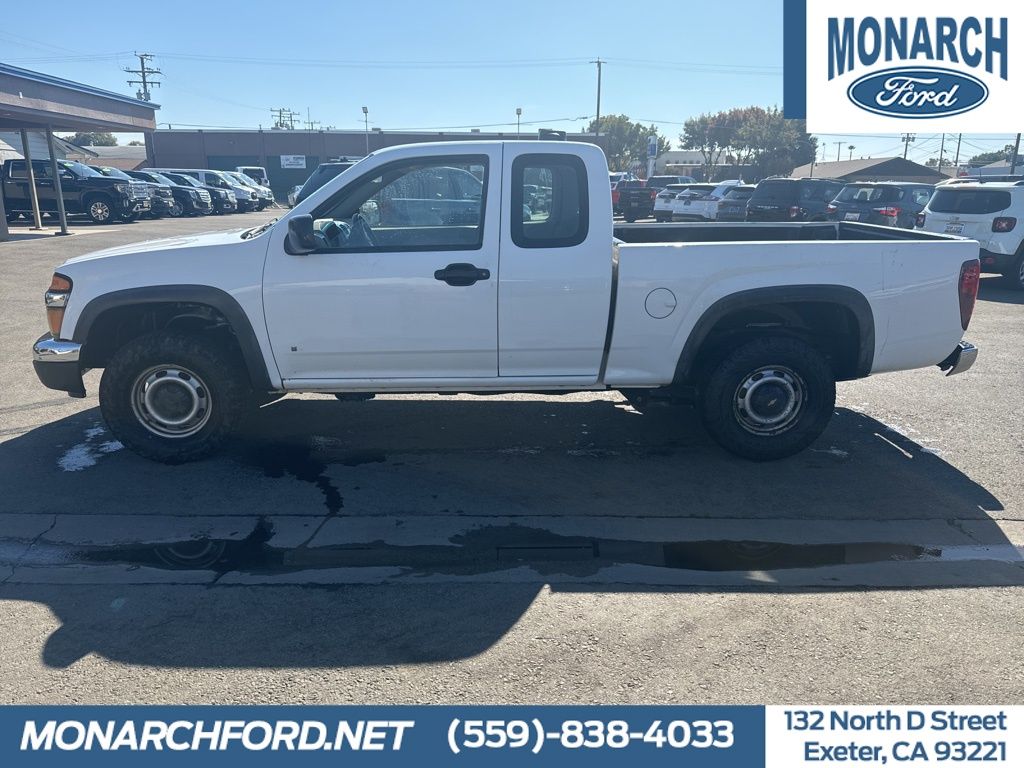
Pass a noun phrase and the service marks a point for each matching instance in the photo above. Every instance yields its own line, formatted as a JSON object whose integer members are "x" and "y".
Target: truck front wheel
{"x": 172, "y": 398}
{"x": 100, "y": 209}
{"x": 769, "y": 398}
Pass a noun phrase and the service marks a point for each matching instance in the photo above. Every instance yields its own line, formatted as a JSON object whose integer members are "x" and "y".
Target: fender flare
{"x": 844, "y": 296}
{"x": 219, "y": 300}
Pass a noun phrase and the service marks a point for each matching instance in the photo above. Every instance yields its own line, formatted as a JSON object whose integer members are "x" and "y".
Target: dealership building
{"x": 291, "y": 155}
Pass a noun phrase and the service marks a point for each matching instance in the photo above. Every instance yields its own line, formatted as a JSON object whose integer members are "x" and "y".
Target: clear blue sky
{"x": 429, "y": 63}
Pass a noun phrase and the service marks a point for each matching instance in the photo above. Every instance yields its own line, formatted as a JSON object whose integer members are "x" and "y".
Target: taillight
{"x": 654, "y": 193}
{"x": 615, "y": 197}
{"x": 56, "y": 299}
{"x": 889, "y": 211}
{"x": 1004, "y": 224}
{"x": 919, "y": 223}
{"x": 795, "y": 211}
{"x": 970, "y": 278}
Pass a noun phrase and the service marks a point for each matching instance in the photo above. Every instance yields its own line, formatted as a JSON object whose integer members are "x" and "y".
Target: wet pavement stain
{"x": 299, "y": 461}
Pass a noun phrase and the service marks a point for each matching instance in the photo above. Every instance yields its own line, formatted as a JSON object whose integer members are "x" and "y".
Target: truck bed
{"x": 713, "y": 232}
{"x": 908, "y": 279}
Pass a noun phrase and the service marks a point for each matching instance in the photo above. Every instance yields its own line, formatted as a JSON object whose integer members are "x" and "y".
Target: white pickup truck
{"x": 417, "y": 270}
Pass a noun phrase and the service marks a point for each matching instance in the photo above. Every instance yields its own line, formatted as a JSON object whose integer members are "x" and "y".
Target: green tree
{"x": 749, "y": 136}
{"x": 625, "y": 142}
{"x": 136, "y": 143}
{"x": 773, "y": 144}
{"x": 711, "y": 135}
{"x": 992, "y": 157}
{"x": 92, "y": 139}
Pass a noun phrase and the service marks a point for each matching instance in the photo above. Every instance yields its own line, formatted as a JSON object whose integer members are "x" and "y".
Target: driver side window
{"x": 435, "y": 204}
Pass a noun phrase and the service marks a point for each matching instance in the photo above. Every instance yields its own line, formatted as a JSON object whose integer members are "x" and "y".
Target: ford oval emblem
{"x": 917, "y": 92}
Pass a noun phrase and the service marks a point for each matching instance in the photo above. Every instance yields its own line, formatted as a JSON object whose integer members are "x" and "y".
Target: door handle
{"x": 462, "y": 274}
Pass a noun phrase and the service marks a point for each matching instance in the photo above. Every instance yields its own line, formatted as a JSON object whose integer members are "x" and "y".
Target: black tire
{"x": 210, "y": 387}
{"x": 1015, "y": 278}
{"x": 128, "y": 218}
{"x": 100, "y": 209}
{"x": 795, "y": 373}
{"x": 175, "y": 210}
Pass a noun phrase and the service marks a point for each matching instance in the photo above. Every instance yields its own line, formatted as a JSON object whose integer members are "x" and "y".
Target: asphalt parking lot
{"x": 508, "y": 549}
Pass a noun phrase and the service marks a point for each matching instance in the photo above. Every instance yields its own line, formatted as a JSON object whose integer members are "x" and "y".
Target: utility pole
{"x": 285, "y": 119}
{"x": 597, "y": 120}
{"x": 907, "y": 139}
{"x": 956, "y": 162}
{"x": 1013, "y": 160}
{"x": 942, "y": 151}
{"x": 310, "y": 122}
{"x": 144, "y": 71}
{"x": 839, "y": 148}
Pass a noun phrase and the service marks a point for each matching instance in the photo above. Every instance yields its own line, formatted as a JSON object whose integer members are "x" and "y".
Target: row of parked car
{"x": 986, "y": 210}
{"x": 105, "y": 194}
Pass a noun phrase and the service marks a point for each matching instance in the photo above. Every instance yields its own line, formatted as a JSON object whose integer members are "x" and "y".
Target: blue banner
{"x": 564, "y": 736}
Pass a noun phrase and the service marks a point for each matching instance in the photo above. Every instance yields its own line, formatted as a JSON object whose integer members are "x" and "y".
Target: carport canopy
{"x": 33, "y": 101}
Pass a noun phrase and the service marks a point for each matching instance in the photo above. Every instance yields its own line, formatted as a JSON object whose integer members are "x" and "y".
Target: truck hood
{"x": 199, "y": 240}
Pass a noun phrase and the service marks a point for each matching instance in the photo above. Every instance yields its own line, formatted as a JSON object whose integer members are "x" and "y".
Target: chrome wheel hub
{"x": 171, "y": 401}
{"x": 768, "y": 401}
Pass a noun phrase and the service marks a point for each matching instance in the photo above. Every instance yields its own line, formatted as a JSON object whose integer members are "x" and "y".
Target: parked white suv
{"x": 701, "y": 207}
{"x": 992, "y": 214}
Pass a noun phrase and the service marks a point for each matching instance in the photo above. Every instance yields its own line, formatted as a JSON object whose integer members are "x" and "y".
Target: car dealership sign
{"x": 945, "y": 65}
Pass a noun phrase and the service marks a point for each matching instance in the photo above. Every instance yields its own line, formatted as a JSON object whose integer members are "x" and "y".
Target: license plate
{"x": 954, "y": 229}
{"x": 851, "y": 217}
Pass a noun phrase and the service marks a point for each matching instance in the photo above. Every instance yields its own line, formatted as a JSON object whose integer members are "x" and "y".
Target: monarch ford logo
{"x": 928, "y": 90}
{"x": 918, "y": 92}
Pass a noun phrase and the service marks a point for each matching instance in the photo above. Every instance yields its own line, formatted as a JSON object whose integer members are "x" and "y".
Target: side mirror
{"x": 301, "y": 237}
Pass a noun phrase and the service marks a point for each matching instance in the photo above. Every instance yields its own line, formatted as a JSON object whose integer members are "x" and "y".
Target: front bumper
{"x": 57, "y": 365}
{"x": 961, "y": 359}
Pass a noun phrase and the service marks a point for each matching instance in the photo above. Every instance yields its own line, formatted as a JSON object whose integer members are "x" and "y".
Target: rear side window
{"x": 558, "y": 219}
{"x": 969, "y": 201}
{"x": 869, "y": 193}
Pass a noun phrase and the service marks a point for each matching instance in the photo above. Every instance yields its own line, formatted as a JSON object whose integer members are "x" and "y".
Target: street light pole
{"x": 519, "y": 114}
{"x": 366, "y": 128}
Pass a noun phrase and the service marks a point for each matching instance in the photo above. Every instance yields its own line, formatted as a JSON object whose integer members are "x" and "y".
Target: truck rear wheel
{"x": 172, "y": 398}
{"x": 769, "y": 398}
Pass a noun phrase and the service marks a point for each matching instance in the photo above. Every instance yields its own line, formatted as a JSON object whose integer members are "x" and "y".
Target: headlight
{"x": 124, "y": 189}
{"x": 56, "y": 299}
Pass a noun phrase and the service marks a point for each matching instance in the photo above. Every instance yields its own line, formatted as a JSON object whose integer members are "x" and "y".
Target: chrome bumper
{"x": 961, "y": 359}
{"x": 50, "y": 350}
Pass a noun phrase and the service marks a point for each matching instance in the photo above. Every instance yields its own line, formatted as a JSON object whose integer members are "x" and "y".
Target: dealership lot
{"x": 514, "y": 548}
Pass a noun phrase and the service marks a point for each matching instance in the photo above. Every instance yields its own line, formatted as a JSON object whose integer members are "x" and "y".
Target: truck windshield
{"x": 969, "y": 200}
{"x": 77, "y": 168}
{"x": 115, "y": 173}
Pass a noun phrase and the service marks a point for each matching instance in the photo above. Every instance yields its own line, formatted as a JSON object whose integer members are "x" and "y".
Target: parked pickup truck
{"x": 754, "y": 324}
{"x": 84, "y": 191}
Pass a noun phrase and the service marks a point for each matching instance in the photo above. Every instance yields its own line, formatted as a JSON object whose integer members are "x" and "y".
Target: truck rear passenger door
{"x": 555, "y": 277}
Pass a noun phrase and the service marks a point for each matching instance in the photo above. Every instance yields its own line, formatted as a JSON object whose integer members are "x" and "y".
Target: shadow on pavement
{"x": 997, "y": 289}
{"x": 504, "y": 495}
